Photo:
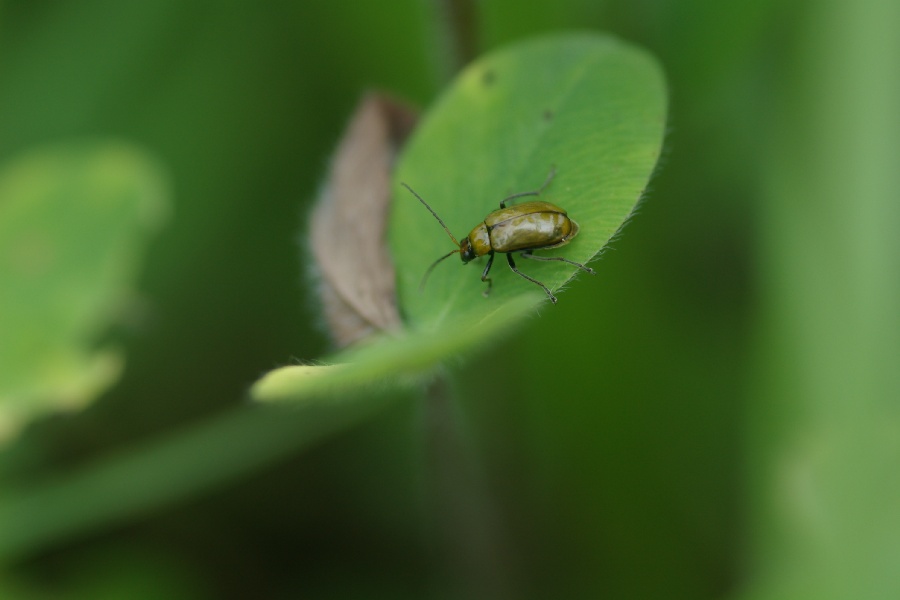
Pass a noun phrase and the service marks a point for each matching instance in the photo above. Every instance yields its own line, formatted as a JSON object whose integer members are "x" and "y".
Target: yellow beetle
{"x": 522, "y": 228}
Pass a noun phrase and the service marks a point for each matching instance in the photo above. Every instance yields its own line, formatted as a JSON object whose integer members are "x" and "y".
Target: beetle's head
{"x": 466, "y": 252}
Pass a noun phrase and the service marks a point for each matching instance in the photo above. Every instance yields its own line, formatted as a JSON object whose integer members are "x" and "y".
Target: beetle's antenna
{"x": 433, "y": 265}
{"x": 431, "y": 210}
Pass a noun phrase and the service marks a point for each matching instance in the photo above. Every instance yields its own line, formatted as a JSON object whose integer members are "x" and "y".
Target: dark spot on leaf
{"x": 489, "y": 78}
{"x": 548, "y": 114}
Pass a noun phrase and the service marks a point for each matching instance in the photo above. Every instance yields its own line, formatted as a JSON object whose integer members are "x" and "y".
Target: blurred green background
{"x": 714, "y": 415}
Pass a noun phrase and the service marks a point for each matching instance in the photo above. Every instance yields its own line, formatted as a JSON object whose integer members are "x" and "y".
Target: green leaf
{"x": 590, "y": 105}
{"x": 73, "y": 223}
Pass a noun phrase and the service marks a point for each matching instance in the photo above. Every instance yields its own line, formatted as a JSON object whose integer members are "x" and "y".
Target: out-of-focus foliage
{"x": 72, "y": 224}
{"x": 825, "y": 441}
{"x": 712, "y": 416}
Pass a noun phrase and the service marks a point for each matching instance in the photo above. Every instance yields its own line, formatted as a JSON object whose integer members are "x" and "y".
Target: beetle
{"x": 525, "y": 227}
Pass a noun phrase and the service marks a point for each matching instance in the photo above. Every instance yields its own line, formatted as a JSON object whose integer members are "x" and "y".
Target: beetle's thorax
{"x": 478, "y": 243}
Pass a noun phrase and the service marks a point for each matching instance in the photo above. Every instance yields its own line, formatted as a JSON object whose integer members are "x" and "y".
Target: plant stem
{"x": 459, "y": 508}
{"x": 149, "y": 476}
{"x": 456, "y": 24}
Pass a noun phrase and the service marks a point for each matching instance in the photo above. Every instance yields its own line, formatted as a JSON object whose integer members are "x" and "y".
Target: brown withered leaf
{"x": 349, "y": 223}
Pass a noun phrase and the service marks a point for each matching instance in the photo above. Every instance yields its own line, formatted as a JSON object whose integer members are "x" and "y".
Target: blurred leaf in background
{"x": 73, "y": 223}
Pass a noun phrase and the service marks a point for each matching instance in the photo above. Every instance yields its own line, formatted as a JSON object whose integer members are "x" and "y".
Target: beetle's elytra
{"x": 521, "y": 228}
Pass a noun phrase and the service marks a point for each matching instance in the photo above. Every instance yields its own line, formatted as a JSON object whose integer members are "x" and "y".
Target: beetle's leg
{"x": 484, "y": 275}
{"x": 528, "y": 254}
{"x": 536, "y": 192}
{"x": 512, "y": 265}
